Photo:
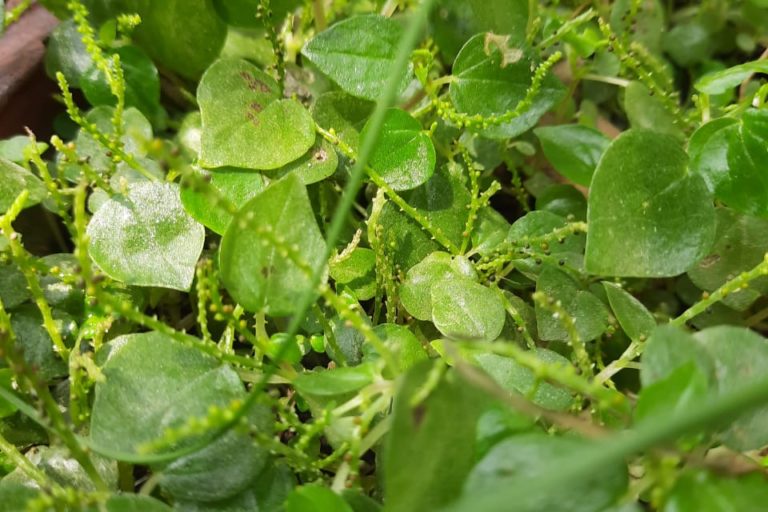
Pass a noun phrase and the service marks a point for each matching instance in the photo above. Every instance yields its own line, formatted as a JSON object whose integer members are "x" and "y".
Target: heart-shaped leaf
{"x": 589, "y": 314}
{"x": 404, "y": 155}
{"x": 245, "y": 124}
{"x": 366, "y": 44}
{"x": 14, "y": 179}
{"x": 466, "y": 310}
{"x": 487, "y": 82}
{"x": 255, "y": 272}
{"x": 648, "y": 216}
{"x": 145, "y": 237}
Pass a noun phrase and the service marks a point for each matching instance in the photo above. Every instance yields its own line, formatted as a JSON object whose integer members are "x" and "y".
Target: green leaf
{"x": 58, "y": 465}
{"x": 416, "y": 290}
{"x": 443, "y": 201}
{"x": 16, "y": 496}
{"x": 683, "y": 388}
{"x": 344, "y": 113}
{"x": 402, "y": 342}
{"x": 317, "y": 164}
{"x": 184, "y": 36}
{"x": 238, "y": 186}
{"x": 521, "y": 459}
{"x": 740, "y": 243}
{"x": 315, "y": 498}
{"x": 563, "y": 200}
{"x": 633, "y": 316}
{"x": 404, "y": 155}
{"x": 589, "y": 314}
{"x": 245, "y": 123}
{"x": 335, "y": 382}
{"x": 739, "y": 355}
{"x": 702, "y": 491}
{"x": 648, "y": 216}
{"x": 708, "y": 151}
{"x": 14, "y": 179}
{"x": 243, "y": 13}
{"x": 427, "y": 454}
{"x": 573, "y": 149}
{"x": 36, "y": 344}
{"x": 13, "y": 286}
{"x": 145, "y": 238}
{"x": 719, "y": 82}
{"x": 366, "y": 44}
{"x": 668, "y": 349}
{"x": 154, "y": 383}
{"x": 142, "y": 83}
{"x": 357, "y": 272}
{"x": 253, "y": 269}
{"x": 466, "y": 310}
{"x": 66, "y": 53}
{"x": 6, "y": 382}
{"x": 646, "y": 111}
{"x": 15, "y": 148}
{"x": 484, "y": 84}
{"x": 540, "y": 223}
{"x": 135, "y": 503}
{"x": 514, "y": 377}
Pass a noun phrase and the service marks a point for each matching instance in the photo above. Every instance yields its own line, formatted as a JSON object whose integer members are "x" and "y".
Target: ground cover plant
{"x": 334, "y": 255}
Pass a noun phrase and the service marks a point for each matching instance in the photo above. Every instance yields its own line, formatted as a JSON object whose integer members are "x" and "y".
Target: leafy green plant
{"x": 390, "y": 255}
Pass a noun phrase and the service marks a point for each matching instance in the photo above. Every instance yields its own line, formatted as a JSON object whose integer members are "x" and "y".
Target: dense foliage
{"x": 352, "y": 255}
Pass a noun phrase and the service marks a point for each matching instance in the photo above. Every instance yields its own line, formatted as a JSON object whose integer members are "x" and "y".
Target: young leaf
{"x": 238, "y": 186}
{"x": 589, "y": 314}
{"x": 466, "y": 310}
{"x": 145, "y": 238}
{"x": 253, "y": 270}
{"x": 315, "y": 498}
{"x": 633, "y": 316}
{"x": 404, "y": 155}
{"x": 487, "y": 83}
{"x": 719, "y": 82}
{"x": 648, "y": 216}
{"x": 335, "y": 382}
{"x": 14, "y": 179}
{"x": 357, "y": 272}
{"x": 400, "y": 340}
{"x": 366, "y": 44}
{"x": 245, "y": 124}
{"x": 137, "y": 367}
{"x": 416, "y": 290}
{"x": 573, "y": 150}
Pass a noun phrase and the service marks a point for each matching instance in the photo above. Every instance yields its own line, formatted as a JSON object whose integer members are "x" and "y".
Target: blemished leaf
{"x": 633, "y": 316}
{"x": 357, "y": 272}
{"x": 573, "y": 150}
{"x": 142, "y": 83}
{"x": 740, "y": 244}
{"x": 14, "y": 179}
{"x": 146, "y": 238}
{"x": 520, "y": 459}
{"x": 237, "y": 186}
{"x": 705, "y": 491}
{"x": 317, "y": 164}
{"x": 404, "y": 155}
{"x": 466, "y": 310}
{"x": 253, "y": 270}
{"x": 425, "y": 463}
{"x": 185, "y": 36}
{"x": 416, "y": 290}
{"x": 719, "y": 82}
{"x": 642, "y": 181}
{"x": 486, "y": 84}
{"x": 170, "y": 382}
{"x": 366, "y": 44}
{"x": 513, "y": 376}
{"x": 315, "y": 498}
{"x": 589, "y": 314}
{"x": 739, "y": 355}
{"x": 245, "y": 123}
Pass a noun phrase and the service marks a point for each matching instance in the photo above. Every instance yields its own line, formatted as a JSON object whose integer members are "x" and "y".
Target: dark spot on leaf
{"x": 267, "y": 271}
{"x": 320, "y": 155}
{"x": 254, "y": 83}
{"x": 709, "y": 261}
{"x": 417, "y": 415}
